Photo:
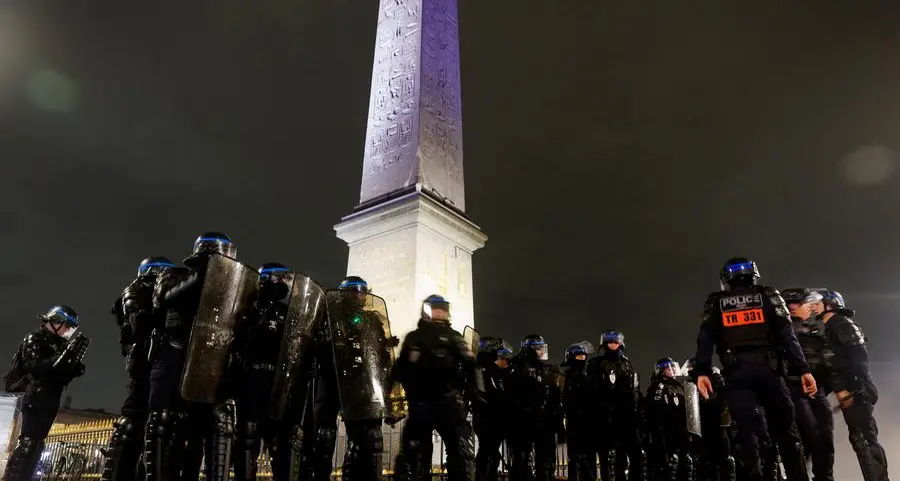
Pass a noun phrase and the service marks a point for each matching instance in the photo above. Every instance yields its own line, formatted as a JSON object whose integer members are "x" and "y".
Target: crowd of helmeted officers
{"x": 225, "y": 361}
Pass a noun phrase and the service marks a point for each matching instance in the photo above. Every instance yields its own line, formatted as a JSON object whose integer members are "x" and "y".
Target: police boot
{"x": 872, "y": 460}
{"x": 688, "y": 468}
{"x": 123, "y": 454}
{"x": 280, "y": 457}
{"x": 729, "y": 469}
{"x": 159, "y": 443}
{"x": 462, "y": 461}
{"x": 794, "y": 465}
{"x": 24, "y": 459}
{"x": 247, "y": 448}
{"x": 670, "y": 473}
{"x": 322, "y": 453}
{"x": 220, "y": 443}
{"x": 608, "y": 467}
{"x": 364, "y": 454}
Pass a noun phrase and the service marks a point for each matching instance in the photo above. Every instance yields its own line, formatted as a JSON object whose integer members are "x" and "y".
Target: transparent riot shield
{"x": 363, "y": 359}
{"x": 306, "y": 309}
{"x": 691, "y": 406}
{"x": 228, "y": 295}
{"x": 473, "y": 341}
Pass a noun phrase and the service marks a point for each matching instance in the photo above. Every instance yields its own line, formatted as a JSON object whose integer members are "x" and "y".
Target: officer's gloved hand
{"x": 394, "y": 419}
{"x": 78, "y": 369}
{"x": 392, "y": 341}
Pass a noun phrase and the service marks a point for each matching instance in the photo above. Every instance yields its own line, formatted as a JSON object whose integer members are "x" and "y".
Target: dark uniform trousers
{"x": 864, "y": 439}
{"x": 123, "y": 455}
{"x": 752, "y": 382}
{"x": 448, "y": 418}
{"x": 166, "y": 422}
{"x": 39, "y": 410}
{"x": 365, "y": 440}
{"x": 490, "y": 435}
{"x": 816, "y": 425}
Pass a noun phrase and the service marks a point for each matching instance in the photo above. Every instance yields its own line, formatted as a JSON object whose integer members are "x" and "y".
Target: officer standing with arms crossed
{"x": 749, "y": 325}
{"x": 848, "y": 362}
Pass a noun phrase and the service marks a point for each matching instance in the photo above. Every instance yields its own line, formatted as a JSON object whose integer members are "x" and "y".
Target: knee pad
{"x": 126, "y": 429}
{"x": 858, "y": 440}
{"x": 223, "y": 417}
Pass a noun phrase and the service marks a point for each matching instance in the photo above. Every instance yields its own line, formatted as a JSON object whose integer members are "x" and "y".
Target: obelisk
{"x": 409, "y": 236}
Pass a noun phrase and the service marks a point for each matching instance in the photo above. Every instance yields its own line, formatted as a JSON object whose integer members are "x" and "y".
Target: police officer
{"x": 749, "y": 326}
{"x": 176, "y": 301}
{"x": 437, "y": 369}
{"x": 577, "y": 407}
{"x": 42, "y": 368}
{"x": 715, "y": 422}
{"x": 848, "y": 363}
{"x": 617, "y": 396}
{"x": 133, "y": 311}
{"x": 257, "y": 348}
{"x": 365, "y": 442}
{"x": 534, "y": 388}
{"x": 667, "y": 421}
{"x": 490, "y": 418}
{"x": 813, "y": 414}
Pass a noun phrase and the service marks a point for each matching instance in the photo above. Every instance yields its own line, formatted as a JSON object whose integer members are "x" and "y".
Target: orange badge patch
{"x": 745, "y": 317}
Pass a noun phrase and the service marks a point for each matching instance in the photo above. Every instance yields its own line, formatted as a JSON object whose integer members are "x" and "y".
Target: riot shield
{"x": 305, "y": 311}
{"x": 473, "y": 340}
{"x": 228, "y": 295}
{"x": 360, "y": 328}
{"x": 691, "y": 406}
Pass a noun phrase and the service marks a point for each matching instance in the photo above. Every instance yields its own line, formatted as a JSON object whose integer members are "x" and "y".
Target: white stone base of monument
{"x": 410, "y": 247}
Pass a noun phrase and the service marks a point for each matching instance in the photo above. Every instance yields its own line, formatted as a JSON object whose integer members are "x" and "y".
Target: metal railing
{"x": 75, "y": 455}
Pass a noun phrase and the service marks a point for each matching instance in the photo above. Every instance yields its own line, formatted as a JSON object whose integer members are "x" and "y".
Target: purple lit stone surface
{"x": 414, "y": 133}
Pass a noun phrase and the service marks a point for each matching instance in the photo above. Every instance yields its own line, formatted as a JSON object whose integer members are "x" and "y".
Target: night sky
{"x": 616, "y": 153}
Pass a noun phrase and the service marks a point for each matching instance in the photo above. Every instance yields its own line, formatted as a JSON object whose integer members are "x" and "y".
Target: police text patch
{"x": 742, "y": 310}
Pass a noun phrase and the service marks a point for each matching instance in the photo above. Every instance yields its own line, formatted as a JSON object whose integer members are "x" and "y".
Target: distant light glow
{"x": 870, "y": 165}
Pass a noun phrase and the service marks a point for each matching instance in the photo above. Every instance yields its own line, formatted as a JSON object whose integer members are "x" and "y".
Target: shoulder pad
{"x": 165, "y": 281}
{"x": 777, "y": 302}
{"x": 31, "y": 338}
{"x": 849, "y": 334}
{"x": 770, "y": 291}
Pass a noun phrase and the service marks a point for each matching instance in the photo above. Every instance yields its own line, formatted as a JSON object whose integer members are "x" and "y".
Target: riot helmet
{"x": 612, "y": 337}
{"x": 492, "y": 349}
{"x": 61, "y": 320}
{"x": 354, "y": 283}
{"x": 153, "y": 266}
{"x": 534, "y": 345}
{"x": 738, "y": 272}
{"x": 214, "y": 243}
{"x": 666, "y": 367}
{"x": 436, "y": 309}
{"x": 833, "y": 301}
{"x": 273, "y": 280}
{"x": 799, "y": 300}
{"x": 577, "y": 353}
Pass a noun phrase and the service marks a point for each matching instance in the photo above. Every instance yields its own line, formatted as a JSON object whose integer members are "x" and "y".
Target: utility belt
{"x": 731, "y": 359}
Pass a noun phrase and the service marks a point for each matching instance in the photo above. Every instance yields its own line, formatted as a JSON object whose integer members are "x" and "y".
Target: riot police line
{"x": 225, "y": 360}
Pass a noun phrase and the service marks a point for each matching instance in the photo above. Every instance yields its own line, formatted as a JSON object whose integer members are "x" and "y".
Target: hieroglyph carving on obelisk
{"x": 409, "y": 236}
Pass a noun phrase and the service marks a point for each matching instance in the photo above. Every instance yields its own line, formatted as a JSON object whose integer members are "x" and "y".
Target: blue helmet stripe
{"x": 60, "y": 310}
{"x": 270, "y": 270}
{"x": 148, "y": 266}
{"x": 212, "y": 239}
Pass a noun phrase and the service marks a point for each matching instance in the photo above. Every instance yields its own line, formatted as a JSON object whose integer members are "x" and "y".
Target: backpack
{"x": 15, "y": 380}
